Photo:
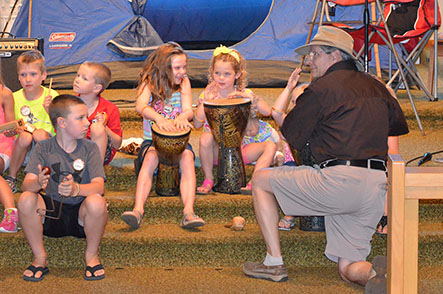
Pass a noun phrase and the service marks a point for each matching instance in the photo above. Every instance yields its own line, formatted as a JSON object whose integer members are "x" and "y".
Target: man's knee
{"x": 261, "y": 180}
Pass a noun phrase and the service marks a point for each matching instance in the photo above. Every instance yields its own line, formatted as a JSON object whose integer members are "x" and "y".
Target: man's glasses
{"x": 312, "y": 55}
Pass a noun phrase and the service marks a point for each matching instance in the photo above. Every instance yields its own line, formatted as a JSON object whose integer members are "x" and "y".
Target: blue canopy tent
{"x": 122, "y": 31}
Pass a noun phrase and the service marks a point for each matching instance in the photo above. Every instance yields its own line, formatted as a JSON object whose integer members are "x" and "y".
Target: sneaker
{"x": 276, "y": 273}
{"x": 132, "y": 218}
{"x": 9, "y": 222}
{"x": 12, "y": 182}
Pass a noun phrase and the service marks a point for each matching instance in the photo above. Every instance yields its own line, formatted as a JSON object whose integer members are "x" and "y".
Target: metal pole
{"x": 435, "y": 52}
{"x": 366, "y": 22}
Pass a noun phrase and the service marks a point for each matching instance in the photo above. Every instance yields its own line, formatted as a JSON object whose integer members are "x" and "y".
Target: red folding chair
{"x": 418, "y": 28}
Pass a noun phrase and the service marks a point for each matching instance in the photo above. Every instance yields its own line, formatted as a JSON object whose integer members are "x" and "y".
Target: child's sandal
{"x": 205, "y": 188}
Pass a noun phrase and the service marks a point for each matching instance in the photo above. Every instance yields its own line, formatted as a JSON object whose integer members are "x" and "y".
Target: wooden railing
{"x": 406, "y": 185}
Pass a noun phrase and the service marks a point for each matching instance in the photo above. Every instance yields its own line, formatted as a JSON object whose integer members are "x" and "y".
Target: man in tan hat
{"x": 346, "y": 116}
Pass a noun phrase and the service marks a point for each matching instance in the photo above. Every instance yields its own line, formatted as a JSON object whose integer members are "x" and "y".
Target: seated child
{"x": 30, "y": 104}
{"x": 10, "y": 217}
{"x": 68, "y": 170}
{"x": 105, "y": 128}
{"x": 164, "y": 97}
{"x": 227, "y": 78}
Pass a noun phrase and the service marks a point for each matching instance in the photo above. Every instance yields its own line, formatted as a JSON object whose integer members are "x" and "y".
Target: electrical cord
{"x": 424, "y": 158}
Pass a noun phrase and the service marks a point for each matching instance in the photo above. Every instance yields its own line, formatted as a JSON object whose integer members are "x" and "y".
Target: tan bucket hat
{"x": 329, "y": 36}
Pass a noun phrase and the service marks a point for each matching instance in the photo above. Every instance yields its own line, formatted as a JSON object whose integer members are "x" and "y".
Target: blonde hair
{"x": 102, "y": 73}
{"x": 33, "y": 56}
{"x": 239, "y": 66}
{"x": 157, "y": 72}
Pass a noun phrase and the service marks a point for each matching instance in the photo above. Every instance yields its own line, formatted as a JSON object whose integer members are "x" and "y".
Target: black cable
{"x": 424, "y": 158}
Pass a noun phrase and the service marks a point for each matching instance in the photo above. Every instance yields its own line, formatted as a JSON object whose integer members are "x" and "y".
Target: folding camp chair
{"x": 419, "y": 27}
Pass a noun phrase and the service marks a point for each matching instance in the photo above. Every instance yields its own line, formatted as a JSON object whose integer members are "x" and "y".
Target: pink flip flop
{"x": 205, "y": 188}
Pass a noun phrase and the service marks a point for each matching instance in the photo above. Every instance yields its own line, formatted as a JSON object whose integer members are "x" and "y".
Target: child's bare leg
{"x": 6, "y": 196}
{"x": 187, "y": 181}
{"x": 22, "y": 145}
{"x": 99, "y": 136}
{"x": 206, "y": 153}
{"x": 93, "y": 215}
{"x": 263, "y": 153}
{"x": 40, "y": 135}
{"x": 144, "y": 181}
{"x": 32, "y": 227}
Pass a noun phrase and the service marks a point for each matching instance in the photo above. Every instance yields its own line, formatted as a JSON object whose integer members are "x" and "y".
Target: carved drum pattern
{"x": 169, "y": 146}
{"x": 227, "y": 119}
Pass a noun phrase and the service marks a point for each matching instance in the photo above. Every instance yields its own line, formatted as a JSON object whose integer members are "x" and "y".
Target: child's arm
{"x": 210, "y": 93}
{"x": 281, "y": 104}
{"x": 35, "y": 183}
{"x": 112, "y": 125}
{"x": 8, "y": 104}
{"x": 8, "y": 109}
{"x": 182, "y": 122}
{"x": 262, "y": 107}
{"x": 146, "y": 111}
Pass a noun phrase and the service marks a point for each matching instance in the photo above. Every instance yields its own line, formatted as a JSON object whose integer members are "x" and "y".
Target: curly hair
{"x": 238, "y": 66}
{"x": 157, "y": 72}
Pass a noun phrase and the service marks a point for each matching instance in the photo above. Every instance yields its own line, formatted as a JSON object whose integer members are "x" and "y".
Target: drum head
{"x": 227, "y": 102}
{"x": 177, "y": 133}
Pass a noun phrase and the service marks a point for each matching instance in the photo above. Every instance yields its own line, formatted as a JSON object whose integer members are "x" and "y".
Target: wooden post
{"x": 406, "y": 186}
{"x": 29, "y": 18}
{"x": 396, "y": 224}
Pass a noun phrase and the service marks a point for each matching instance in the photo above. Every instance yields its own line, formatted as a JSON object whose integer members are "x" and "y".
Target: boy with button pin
{"x": 30, "y": 104}
{"x": 63, "y": 189}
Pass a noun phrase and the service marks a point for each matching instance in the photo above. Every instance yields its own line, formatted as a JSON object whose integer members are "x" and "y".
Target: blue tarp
{"x": 78, "y": 31}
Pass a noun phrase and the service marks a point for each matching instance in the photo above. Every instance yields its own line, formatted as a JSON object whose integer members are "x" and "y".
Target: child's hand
{"x": 43, "y": 176}
{"x": 241, "y": 94}
{"x": 165, "y": 124}
{"x": 100, "y": 117}
{"x": 181, "y": 123}
{"x": 211, "y": 91}
{"x": 66, "y": 186}
{"x": 293, "y": 79}
{"x": 46, "y": 103}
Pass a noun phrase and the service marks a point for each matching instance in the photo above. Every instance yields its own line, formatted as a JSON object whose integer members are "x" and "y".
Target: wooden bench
{"x": 406, "y": 185}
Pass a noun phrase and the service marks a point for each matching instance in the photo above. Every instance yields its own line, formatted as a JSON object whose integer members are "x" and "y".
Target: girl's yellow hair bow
{"x": 225, "y": 50}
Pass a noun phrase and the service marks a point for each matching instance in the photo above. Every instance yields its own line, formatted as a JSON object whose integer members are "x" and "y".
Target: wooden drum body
{"x": 169, "y": 146}
{"x": 227, "y": 119}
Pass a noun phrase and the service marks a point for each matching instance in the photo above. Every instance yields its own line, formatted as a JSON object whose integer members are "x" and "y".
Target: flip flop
{"x": 194, "y": 222}
{"x": 288, "y": 224}
{"x": 206, "y": 187}
{"x": 132, "y": 218}
{"x": 35, "y": 270}
{"x": 92, "y": 270}
{"x": 246, "y": 190}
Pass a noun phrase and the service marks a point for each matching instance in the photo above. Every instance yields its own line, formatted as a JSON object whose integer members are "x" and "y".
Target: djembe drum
{"x": 308, "y": 223}
{"x": 169, "y": 146}
{"x": 227, "y": 119}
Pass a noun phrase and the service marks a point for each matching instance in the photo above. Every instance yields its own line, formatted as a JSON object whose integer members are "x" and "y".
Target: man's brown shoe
{"x": 276, "y": 273}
